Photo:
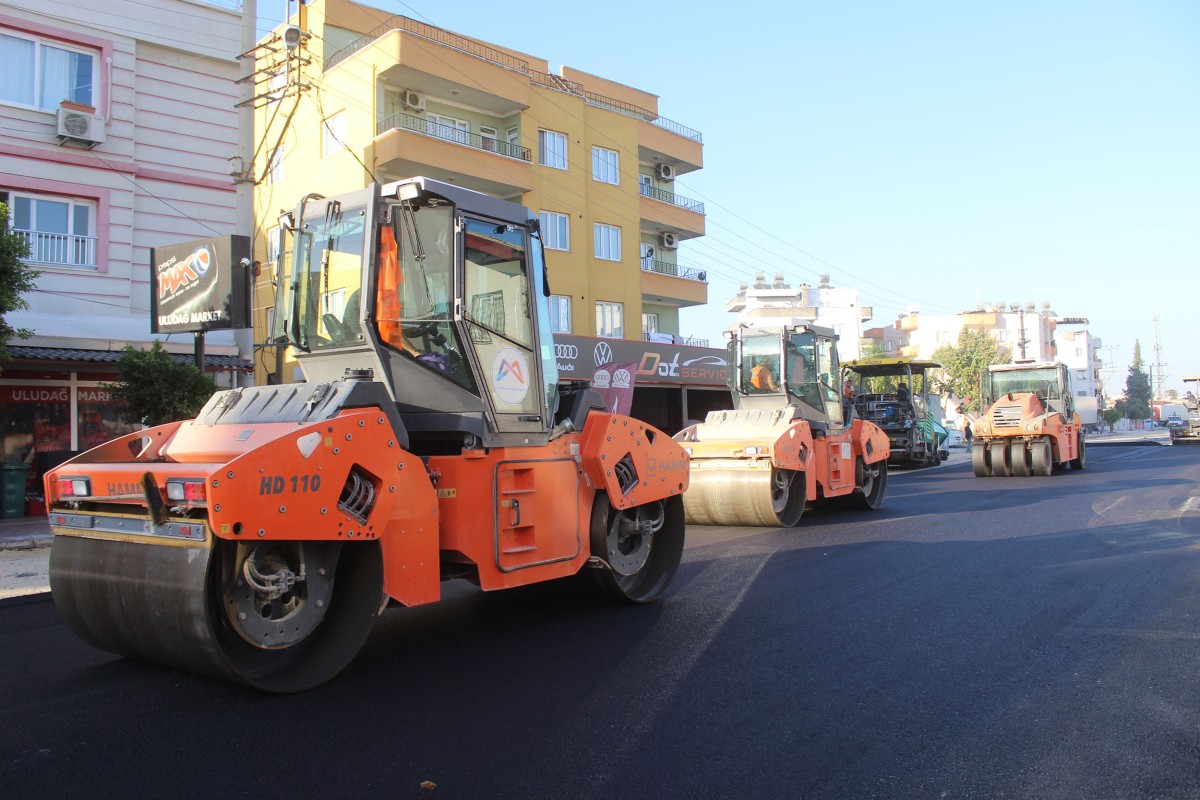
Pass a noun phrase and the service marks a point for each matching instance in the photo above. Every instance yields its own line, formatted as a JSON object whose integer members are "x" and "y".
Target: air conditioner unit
{"x": 414, "y": 101}
{"x": 666, "y": 172}
{"x": 78, "y": 127}
{"x": 668, "y": 241}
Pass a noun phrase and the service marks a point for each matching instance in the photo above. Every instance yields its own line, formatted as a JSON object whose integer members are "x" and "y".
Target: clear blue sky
{"x": 928, "y": 154}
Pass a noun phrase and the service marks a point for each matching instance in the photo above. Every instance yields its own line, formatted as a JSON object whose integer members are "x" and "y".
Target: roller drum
{"x": 745, "y": 496}
{"x": 171, "y": 604}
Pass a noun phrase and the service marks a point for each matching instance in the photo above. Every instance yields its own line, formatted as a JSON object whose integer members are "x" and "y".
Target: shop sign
{"x": 578, "y": 357}
{"x": 200, "y": 286}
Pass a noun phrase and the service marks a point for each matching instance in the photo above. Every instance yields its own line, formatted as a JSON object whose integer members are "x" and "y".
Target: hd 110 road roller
{"x": 1029, "y": 425}
{"x": 431, "y": 440}
{"x": 787, "y": 441}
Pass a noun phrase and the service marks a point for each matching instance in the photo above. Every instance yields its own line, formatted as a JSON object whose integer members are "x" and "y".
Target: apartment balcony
{"x": 672, "y": 284}
{"x": 668, "y": 338}
{"x": 413, "y": 56}
{"x": 407, "y": 145}
{"x": 662, "y": 210}
{"x": 59, "y": 249}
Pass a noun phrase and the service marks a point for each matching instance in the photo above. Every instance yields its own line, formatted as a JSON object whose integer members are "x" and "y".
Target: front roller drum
{"x": 769, "y": 497}
{"x": 283, "y": 617}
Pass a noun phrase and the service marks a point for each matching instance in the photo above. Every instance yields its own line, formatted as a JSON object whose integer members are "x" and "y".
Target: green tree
{"x": 16, "y": 278}
{"x": 153, "y": 388}
{"x": 1112, "y": 416}
{"x": 962, "y": 364}
{"x": 1136, "y": 403}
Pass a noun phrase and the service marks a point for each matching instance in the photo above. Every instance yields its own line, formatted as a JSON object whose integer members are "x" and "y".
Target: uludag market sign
{"x": 579, "y": 357}
{"x": 200, "y": 286}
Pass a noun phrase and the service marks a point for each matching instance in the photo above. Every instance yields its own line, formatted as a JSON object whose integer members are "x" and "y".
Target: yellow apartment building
{"x": 348, "y": 94}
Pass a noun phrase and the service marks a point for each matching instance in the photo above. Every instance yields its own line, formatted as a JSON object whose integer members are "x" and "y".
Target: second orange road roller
{"x": 787, "y": 442}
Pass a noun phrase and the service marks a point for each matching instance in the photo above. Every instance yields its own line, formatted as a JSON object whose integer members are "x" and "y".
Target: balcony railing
{"x": 690, "y": 341}
{"x": 408, "y": 122}
{"x": 60, "y": 249}
{"x": 443, "y": 37}
{"x": 508, "y": 61}
{"x": 674, "y": 199}
{"x": 551, "y": 81}
{"x": 663, "y": 268}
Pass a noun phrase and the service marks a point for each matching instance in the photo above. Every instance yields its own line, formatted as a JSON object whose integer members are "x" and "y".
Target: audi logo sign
{"x": 566, "y": 351}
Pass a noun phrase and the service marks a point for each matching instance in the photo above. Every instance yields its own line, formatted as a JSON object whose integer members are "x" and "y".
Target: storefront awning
{"x": 65, "y": 354}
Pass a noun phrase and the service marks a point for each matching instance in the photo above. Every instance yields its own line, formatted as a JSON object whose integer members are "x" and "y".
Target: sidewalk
{"x": 25, "y": 533}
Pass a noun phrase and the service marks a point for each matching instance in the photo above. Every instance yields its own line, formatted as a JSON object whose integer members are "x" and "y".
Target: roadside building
{"x": 117, "y": 126}
{"x": 350, "y": 95}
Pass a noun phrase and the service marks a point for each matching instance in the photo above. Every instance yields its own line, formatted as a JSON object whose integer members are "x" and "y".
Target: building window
{"x": 941, "y": 337}
{"x": 514, "y": 139}
{"x": 560, "y": 313}
{"x": 608, "y": 242}
{"x": 333, "y": 134}
{"x": 488, "y": 135}
{"x": 556, "y": 231}
{"x": 39, "y": 74}
{"x": 61, "y": 231}
{"x": 273, "y": 245}
{"x": 552, "y": 149}
{"x": 1001, "y": 335}
{"x": 649, "y": 323}
{"x": 606, "y": 165}
{"x": 456, "y": 130}
{"x": 275, "y": 168}
{"x": 277, "y": 85}
{"x": 610, "y": 320}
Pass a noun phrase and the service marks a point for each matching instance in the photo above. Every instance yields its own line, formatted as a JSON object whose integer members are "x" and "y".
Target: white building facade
{"x": 118, "y": 123}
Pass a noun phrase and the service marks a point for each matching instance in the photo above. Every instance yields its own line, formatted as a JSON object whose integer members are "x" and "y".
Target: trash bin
{"x": 12, "y": 490}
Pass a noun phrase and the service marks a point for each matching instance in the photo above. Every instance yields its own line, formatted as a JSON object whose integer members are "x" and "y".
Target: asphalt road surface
{"x": 990, "y": 638}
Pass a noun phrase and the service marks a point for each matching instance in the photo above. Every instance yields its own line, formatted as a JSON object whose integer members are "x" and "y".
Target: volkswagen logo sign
{"x": 566, "y": 351}
{"x": 603, "y": 354}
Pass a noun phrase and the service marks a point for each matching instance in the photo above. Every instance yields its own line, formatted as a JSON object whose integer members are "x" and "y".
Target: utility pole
{"x": 1158, "y": 362}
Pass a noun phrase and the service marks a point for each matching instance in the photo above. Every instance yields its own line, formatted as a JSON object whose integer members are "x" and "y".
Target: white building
{"x": 824, "y": 305}
{"x": 118, "y": 123}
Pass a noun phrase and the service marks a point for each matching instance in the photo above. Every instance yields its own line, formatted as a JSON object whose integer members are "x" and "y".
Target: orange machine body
{"x": 517, "y": 515}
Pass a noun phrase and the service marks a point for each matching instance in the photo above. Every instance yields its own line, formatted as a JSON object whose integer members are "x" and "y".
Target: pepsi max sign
{"x": 200, "y": 286}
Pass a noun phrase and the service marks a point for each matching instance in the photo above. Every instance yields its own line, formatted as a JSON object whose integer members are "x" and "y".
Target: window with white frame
{"x": 941, "y": 337}
{"x": 488, "y": 135}
{"x": 560, "y": 313}
{"x": 610, "y": 320}
{"x": 456, "y": 130}
{"x": 606, "y": 165}
{"x": 273, "y": 239}
{"x": 608, "y": 242}
{"x": 552, "y": 149}
{"x": 333, "y": 134}
{"x": 277, "y": 84}
{"x": 275, "y": 168}
{"x": 60, "y": 231}
{"x": 556, "y": 231}
{"x": 41, "y": 73}
{"x": 649, "y": 323}
{"x": 514, "y": 140}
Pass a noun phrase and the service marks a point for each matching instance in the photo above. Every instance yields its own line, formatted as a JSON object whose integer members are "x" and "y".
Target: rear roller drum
{"x": 787, "y": 496}
{"x": 282, "y": 616}
{"x": 998, "y": 455}
{"x": 1042, "y": 457}
{"x": 1021, "y": 465}
{"x": 872, "y": 483}
{"x": 980, "y": 464}
{"x": 1080, "y": 461}
{"x": 641, "y": 547}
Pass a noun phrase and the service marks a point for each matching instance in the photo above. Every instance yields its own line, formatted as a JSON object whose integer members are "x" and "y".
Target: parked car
{"x": 1175, "y": 423}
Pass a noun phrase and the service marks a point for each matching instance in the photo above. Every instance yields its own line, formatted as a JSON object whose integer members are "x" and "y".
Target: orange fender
{"x": 660, "y": 465}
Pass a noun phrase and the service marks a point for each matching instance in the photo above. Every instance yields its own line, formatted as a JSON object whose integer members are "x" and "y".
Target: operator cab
{"x": 795, "y": 365}
{"x": 1049, "y": 381}
{"x": 439, "y": 291}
